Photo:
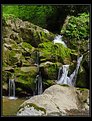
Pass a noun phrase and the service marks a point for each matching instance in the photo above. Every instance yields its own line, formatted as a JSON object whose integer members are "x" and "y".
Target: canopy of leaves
{"x": 50, "y": 17}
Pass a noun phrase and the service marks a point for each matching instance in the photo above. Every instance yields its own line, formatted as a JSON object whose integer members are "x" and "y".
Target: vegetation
{"x": 55, "y": 52}
{"x": 22, "y": 40}
{"x": 77, "y": 27}
{"x": 50, "y": 17}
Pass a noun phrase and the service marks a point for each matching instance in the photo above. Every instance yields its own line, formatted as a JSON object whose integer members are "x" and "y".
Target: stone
{"x": 56, "y": 100}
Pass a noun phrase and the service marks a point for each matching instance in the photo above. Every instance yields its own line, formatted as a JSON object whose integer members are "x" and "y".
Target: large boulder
{"x": 57, "y": 100}
{"x": 19, "y": 31}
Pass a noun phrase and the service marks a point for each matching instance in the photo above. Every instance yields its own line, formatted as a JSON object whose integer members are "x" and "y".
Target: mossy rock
{"x": 65, "y": 85}
{"x": 83, "y": 94}
{"x": 16, "y": 37}
{"x": 48, "y": 83}
{"x": 54, "y": 52}
{"x": 25, "y": 76}
{"x": 29, "y": 105}
{"x": 49, "y": 71}
{"x": 10, "y": 57}
{"x": 6, "y": 52}
{"x": 27, "y": 47}
{"x": 81, "y": 78}
{"x": 5, "y": 76}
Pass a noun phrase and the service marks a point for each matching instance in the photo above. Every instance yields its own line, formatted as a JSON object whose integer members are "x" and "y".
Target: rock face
{"x": 21, "y": 41}
{"x": 57, "y": 100}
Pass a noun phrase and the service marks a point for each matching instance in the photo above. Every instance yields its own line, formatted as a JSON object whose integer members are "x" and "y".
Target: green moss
{"x": 48, "y": 83}
{"x": 5, "y": 74}
{"x": 26, "y": 79}
{"x": 65, "y": 85}
{"x": 55, "y": 52}
{"x": 26, "y": 46}
{"x": 52, "y": 71}
{"x": 9, "y": 16}
{"x": 82, "y": 89}
{"x": 33, "y": 105}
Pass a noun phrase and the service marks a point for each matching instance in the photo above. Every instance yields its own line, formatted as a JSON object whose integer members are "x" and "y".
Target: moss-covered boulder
{"x": 55, "y": 53}
{"x": 49, "y": 70}
{"x": 27, "y": 32}
{"x": 25, "y": 79}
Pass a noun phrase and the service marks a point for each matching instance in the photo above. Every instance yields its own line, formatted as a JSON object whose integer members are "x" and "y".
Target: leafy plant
{"x": 77, "y": 27}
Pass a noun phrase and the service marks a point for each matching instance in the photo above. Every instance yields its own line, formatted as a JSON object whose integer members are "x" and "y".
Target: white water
{"x": 73, "y": 76}
{"x": 39, "y": 84}
{"x": 12, "y": 89}
{"x": 58, "y": 39}
{"x": 64, "y": 79}
{"x": 59, "y": 73}
{"x": 37, "y": 59}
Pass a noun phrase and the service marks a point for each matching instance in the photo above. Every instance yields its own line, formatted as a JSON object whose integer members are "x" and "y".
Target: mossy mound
{"x": 54, "y": 52}
{"x": 29, "y": 105}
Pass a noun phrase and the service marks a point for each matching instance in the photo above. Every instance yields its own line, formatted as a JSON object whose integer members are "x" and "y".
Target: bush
{"x": 77, "y": 27}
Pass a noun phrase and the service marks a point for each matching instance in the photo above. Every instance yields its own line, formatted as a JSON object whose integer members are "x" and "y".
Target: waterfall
{"x": 58, "y": 39}
{"x": 59, "y": 73}
{"x": 73, "y": 76}
{"x": 38, "y": 79}
{"x": 37, "y": 58}
{"x": 71, "y": 80}
{"x": 63, "y": 79}
{"x": 39, "y": 84}
{"x": 12, "y": 89}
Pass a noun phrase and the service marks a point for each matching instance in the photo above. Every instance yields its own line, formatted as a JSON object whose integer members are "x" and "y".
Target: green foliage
{"x": 77, "y": 27}
{"x": 55, "y": 52}
{"x": 35, "y": 14}
{"x": 9, "y": 11}
{"x": 27, "y": 46}
{"x": 46, "y": 16}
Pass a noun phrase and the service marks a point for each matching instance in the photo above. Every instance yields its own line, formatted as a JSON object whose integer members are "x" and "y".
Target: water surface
{"x": 10, "y": 106}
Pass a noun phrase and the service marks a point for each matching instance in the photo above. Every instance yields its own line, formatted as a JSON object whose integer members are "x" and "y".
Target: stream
{"x": 10, "y": 106}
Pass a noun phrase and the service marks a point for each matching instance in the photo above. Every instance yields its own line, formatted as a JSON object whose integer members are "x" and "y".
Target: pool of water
{"x": 10, "y": 106}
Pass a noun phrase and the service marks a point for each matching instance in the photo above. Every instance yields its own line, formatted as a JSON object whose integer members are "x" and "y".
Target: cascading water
{"x": 38, "y": 77}
{"x": 59, "y": 73}
{"x": 12, "y": 89}
{"x": 58, "y": 39}
{"x": 37, "y": 58}
{"x": 64, "y": 79}
{"x": 73, "y": 76}
{"x": 39, "y": 84}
